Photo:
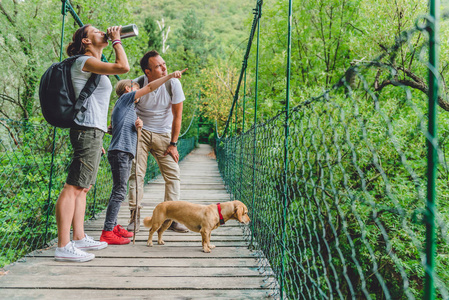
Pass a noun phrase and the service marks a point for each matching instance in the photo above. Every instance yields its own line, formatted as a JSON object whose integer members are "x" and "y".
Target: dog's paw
{"x": 206, "y": 250}
{"x": 211, "y": 246}
{"x": 150, "y": 244}
{"x": 161, "y": 242}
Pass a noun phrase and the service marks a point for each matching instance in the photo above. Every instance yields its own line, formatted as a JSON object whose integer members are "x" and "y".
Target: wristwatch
{"x": 174, "y": 144}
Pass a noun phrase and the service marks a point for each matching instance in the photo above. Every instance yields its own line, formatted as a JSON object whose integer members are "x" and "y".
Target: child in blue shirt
{"x": 122, "y": 151}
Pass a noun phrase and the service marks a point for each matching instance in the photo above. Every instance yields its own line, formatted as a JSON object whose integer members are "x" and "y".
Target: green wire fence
{"x": 342, "y": 188}
{"x": 34, "y": 165}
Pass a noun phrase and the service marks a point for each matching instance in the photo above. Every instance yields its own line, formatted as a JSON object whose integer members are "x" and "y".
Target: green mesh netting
{"x": 352, "y": 175}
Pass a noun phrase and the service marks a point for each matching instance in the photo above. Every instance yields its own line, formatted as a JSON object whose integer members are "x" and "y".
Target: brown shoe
{"x": 130, "y": 226}
{"x": 178, "y": 227}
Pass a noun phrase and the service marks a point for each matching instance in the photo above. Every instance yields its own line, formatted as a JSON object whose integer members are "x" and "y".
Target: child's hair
{"x": 120, "y": 87}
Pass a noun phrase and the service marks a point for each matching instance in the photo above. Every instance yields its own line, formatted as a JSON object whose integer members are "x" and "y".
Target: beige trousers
{"x": 156, "y": 144}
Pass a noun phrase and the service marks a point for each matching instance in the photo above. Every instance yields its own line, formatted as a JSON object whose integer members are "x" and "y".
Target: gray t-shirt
{"x": 97, "y": 105}
{"x": 155, "y": 108}
{"x": 123, "y": 119}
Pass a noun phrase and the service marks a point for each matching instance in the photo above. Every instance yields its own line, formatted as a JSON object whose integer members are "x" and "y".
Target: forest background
{"x": 209, "y": 37}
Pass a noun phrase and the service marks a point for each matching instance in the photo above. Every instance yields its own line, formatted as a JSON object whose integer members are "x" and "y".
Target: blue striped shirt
{"x": 123, "y": 119}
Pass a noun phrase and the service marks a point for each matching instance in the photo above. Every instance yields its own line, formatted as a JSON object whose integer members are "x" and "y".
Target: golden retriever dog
{"x": 196, "y": 217}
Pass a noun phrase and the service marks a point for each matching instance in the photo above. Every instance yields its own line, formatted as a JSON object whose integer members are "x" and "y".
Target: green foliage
{"x": 223, "y": 19}
{"x": 328, "y": 37}
{"x": 192, "y": 39}
{"x": 154, "y": 34}
{"x": 22, "y": 51}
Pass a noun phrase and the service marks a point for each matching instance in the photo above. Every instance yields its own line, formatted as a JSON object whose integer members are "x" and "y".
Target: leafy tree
{"x": 196, "y": 44}
{"x": 24, "y": 45}
{"x": 154, "y": 34}
{"x": 218, "y": 91}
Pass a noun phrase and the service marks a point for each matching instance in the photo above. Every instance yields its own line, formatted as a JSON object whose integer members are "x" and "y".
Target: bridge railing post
{"x": 198, "y": 121}
{"x": 242, "y": 149}
{"x": 432, "y": 155}
{"x": 259, "y": 13}
{"x": 286, "y": 156}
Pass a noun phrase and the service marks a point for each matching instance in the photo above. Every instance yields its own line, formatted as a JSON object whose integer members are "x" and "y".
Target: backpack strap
{"x": 88, "y": 88}
{"x": 85, "y": 93}
{"x": 168, "y": 88}
{"x": 141, "y": 79}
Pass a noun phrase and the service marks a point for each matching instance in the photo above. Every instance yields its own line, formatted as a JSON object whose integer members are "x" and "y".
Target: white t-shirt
{"x": 97, "y": 105}
{"x": 155, "y": 108}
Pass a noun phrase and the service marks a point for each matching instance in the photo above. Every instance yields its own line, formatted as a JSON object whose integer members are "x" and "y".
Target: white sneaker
{"x": 71, "y": 253}
{"x": 89, "y": 243}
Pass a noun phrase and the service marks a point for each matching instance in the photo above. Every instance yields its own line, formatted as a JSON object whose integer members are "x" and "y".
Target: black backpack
{"x": 57, "y": 96}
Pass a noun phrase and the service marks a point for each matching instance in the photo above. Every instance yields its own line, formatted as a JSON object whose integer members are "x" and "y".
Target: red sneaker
{"x": 112, "y": 239}
{"x": 120, "y": 231}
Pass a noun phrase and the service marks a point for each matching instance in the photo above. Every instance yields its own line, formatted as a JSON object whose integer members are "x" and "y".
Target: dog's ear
{"x": 239, "y": 213}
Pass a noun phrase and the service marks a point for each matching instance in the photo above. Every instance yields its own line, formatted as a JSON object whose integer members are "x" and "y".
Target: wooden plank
{"x": 228, "y": 230}
{"x": 192, "y": 187}
{"x": 170, "y": 243}
{"x": 105, "y": 281}
{"x": 85, "y": 270}
{"x": 196, "y": 238}
{"x": 182, "y": 262}
{"x": 213, "y": 198}
{"x": 188, "y": 180}
{"x": 193, "y": 195}
{"x": 153, "y": 294}
{"x": 140, "y": 249}
{"x": 211, "y": 187}
{"x": 143, "y": 233}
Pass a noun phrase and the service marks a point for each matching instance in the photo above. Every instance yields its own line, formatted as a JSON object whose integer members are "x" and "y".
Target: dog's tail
{"x": 147, "y": 222}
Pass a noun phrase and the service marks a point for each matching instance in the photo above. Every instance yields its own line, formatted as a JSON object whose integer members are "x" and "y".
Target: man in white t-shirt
{"x": 161, "y": 113}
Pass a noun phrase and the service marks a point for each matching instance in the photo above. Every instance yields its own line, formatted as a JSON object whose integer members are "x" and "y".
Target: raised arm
{"x": 153, "y": 85}
{"x": 120, "y": 66}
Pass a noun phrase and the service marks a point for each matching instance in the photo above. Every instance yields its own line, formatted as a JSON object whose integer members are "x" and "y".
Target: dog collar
{"x": 222, "y": 221}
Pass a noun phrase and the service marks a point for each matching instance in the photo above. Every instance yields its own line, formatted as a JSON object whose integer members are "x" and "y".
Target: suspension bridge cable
{"x": 256, "y": 93}
{"x": 191, "y": 122}
{"x": 286, "y": 153}
{"x": 257, "y": 14}
{"x": 50, "y": 183}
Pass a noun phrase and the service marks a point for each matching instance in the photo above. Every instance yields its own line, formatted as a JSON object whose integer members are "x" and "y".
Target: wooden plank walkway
{"x": 177, "y": 270}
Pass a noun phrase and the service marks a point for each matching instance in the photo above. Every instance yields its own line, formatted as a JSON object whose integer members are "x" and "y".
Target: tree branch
{"x": 6, "y": 14}
{"x": 361, "y": 31}
{"x": 10, "y": 132}
{"x": 8, "y": 98}
{"x": 416, "y": 83}
{"x": 412, "y": 75}
{"x": 224, "y": 83}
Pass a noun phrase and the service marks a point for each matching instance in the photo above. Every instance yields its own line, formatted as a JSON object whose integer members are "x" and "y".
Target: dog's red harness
{"x": 222, "y": 221}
